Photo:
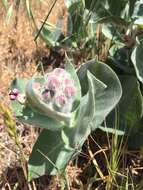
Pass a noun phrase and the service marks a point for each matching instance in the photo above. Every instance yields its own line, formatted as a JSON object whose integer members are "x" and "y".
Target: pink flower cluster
{"x": 14, "y": 94}
{"x": 59, "y": 89}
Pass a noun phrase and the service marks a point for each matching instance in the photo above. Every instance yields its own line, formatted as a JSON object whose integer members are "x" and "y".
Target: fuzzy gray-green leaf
{"x": 107, "y": 98}
{"x": 137, "y": 59}
{"x": 49, "y": 156}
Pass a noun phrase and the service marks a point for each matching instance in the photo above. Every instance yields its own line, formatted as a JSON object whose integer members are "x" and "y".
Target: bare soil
{"x": 19, "y": 56}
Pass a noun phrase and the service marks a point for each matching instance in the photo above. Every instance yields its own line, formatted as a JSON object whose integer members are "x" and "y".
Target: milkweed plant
{"x": 68, "y": 106}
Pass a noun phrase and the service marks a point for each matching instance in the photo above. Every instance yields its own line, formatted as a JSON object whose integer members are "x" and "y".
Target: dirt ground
{"x": 19, "y": 55}
{"x": 18, "y": 50}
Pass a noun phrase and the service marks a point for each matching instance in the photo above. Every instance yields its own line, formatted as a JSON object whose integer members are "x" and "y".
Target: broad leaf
{"x": 137, "y": 59}
{"x": 130, "y": 108}
{"x": 106, "y": 99}
{"x": 102, "y": 91}
{"x": 135, "y": 140}
{"x": 131, "y": 104}
{"x": 25, "y": 114}
{"x": 87, "y": 112}
{"x": 50, "y": 155}
{"x": 20, "y": 84}
{"x": 38, "y": 120}
{"x": 138, "y": 9}
{"x": 51, "y": 34}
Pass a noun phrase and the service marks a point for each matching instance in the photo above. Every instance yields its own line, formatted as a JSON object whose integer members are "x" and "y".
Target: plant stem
{"x": 45, "y": 20}
{"x": 64, "y": 181}
{"x": 12, "y": 132}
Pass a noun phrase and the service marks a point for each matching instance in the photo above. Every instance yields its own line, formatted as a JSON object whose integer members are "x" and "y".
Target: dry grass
{"x": 18, "y": 57}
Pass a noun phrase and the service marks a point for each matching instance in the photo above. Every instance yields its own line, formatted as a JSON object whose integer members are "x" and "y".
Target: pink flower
{"x": 14, "y": 91}
{"x": 60, "y": 100}
{"x": 12, "y": 97}
{"x": 52, "y": 82}
{"x": 16, "y": 95}
{"x": 68, "y": 81}
{"x": 59, "y": 90}
{"x": 59, "y": 72}
{"x": 13, "y": 94}
{"x": 69, "y": 91}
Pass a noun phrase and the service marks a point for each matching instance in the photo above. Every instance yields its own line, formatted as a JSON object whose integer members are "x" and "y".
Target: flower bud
{"x": 60, "y": 100}
{"x": 13, "y": 94}
{"x": 52, "y": 82}
{"x": 15, "y": 91}
{"x": 60, "y": 72}
{"x": 69, "y": 91}
{"x": 68, "y": 82}
{"x": 58, "y": 90}
{"x": 12, "y": 97}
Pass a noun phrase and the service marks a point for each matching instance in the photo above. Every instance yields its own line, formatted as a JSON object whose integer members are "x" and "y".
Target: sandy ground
{"x": 17, "y": 47}
{"x": 18, "y": 54}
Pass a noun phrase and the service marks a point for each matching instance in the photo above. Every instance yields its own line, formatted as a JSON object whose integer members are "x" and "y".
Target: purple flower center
{"x": 48, "y": 94}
